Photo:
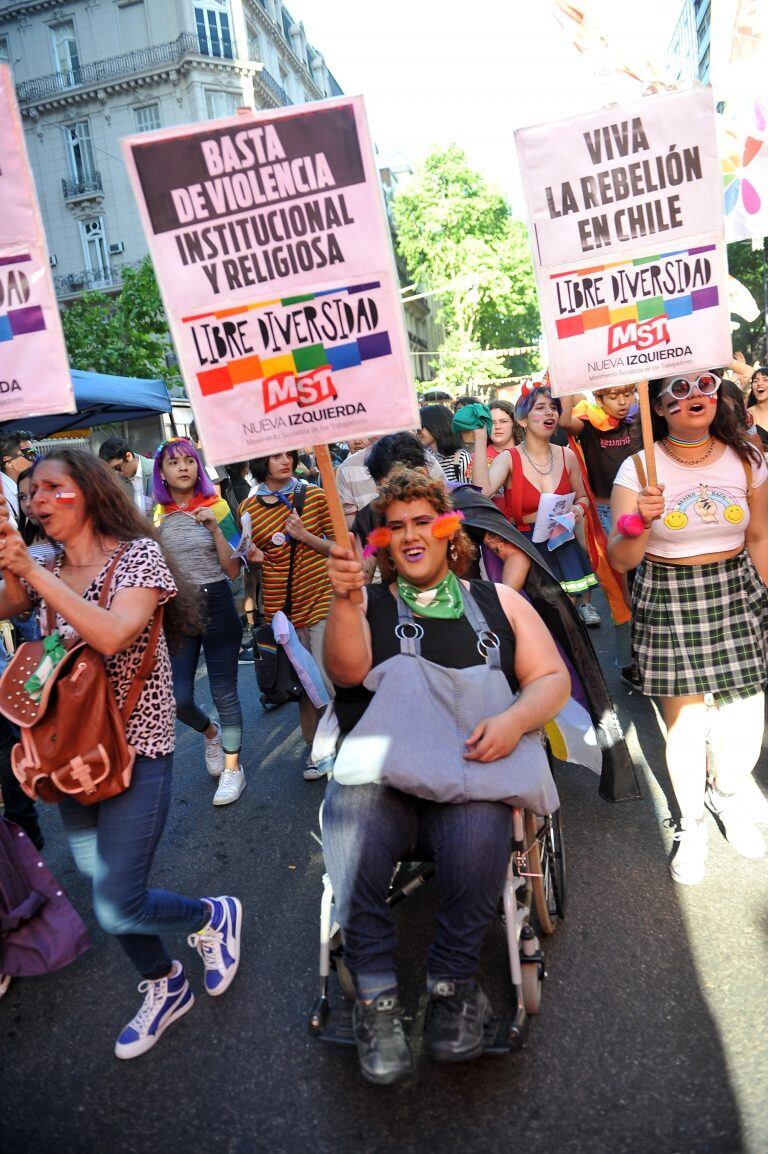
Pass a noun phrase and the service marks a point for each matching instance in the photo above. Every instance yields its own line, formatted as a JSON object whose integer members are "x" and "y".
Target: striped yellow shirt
{"x": 310, "y": 586}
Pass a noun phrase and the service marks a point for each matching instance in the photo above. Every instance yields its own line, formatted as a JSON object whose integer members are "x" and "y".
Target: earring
{"x": 453, "y": 552}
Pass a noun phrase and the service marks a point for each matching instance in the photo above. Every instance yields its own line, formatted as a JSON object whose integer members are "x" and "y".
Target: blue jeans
{"x": 220, "y": 642}
{"x": 367, "y": 829}
{"x": 113, "y": 843}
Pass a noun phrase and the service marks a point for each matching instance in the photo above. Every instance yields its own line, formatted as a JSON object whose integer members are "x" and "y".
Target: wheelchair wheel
{"x": 546, "y": 861}
{"x": 342, "y": 973}
{"x": 531, "y": 987}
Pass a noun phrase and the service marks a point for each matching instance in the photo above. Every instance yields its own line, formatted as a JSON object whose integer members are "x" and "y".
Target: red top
{"x": 521, "y": 497}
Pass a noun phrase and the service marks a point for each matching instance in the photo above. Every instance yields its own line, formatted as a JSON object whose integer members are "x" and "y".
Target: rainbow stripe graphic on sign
{"x": 672, "y": 307}
{"x": 297, "y": 360}
{"x": 19, "y": 322}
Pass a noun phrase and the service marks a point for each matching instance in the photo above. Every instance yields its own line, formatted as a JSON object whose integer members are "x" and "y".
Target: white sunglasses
{"x": 681, "y": 388}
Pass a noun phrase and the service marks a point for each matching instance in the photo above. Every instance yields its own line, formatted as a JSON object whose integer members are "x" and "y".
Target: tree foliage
{"x": 454, "y": 229}
{"x": 125, "y": 335}
{"x": 463, "y": 367}
{"x": 747, "y": 266}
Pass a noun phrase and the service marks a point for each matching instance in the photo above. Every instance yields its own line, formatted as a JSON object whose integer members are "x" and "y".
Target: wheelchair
{"x": 532, "y": 902}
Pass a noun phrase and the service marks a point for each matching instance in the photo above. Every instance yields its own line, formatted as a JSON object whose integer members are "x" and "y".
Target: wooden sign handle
{"x": 341, "y": 533}
{"x": 646, "y": 426}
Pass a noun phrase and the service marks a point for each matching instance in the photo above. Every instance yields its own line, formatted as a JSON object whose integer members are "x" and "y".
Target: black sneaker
{"x": 455, "y": 1024}
{"x": 630, "y": 676}
{"x": 382, "y": 1047}
{"x": 245, "y": 656}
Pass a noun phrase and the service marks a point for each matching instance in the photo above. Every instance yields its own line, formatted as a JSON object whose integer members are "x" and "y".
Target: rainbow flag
{"x": 221, "y": 510}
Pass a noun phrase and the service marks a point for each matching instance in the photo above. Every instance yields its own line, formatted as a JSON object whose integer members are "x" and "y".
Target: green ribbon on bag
{"x": 53, "y": 652}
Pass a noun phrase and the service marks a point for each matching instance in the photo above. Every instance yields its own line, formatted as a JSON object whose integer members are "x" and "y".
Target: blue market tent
{"x": 101, "y": 399}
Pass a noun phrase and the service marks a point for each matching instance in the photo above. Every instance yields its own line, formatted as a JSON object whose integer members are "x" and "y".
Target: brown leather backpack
{"x": 73, "y": 741}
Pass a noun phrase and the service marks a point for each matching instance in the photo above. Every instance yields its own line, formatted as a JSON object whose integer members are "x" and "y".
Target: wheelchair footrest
{"x": 502, "y": 1035}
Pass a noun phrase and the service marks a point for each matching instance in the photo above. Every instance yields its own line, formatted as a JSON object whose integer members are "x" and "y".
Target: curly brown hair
{"x": 412, "y": 485}
{"x": 112, "y": 513}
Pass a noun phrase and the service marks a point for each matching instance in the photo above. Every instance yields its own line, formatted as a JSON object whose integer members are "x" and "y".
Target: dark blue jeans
{"x": 367, "y": 829}
{"x": 220, "y": 642}
{"x": 113, "y": 843}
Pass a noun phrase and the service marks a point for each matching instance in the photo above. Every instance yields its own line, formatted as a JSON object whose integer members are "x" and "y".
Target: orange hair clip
{"x": 377, "y": 539}
{"x": 447, "y": 524}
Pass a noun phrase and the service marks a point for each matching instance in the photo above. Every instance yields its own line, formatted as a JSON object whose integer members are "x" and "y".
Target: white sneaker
{"x": 689, "y": 864}
{"x": 313, "y": 772}
{"x": 737, "y": 822}
{"x": 231, "y": 785}
{"x": 164, "y": 1001}
{"x": 589, "y": 616}
{"x": 214, "y": 753}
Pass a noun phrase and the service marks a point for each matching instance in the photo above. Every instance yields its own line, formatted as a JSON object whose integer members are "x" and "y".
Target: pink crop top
{"x": 705, "y": 508}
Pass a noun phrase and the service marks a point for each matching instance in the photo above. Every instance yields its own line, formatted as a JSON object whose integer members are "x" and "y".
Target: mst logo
{"x": 641, "y": 334}
{"x": 302, "y": 389}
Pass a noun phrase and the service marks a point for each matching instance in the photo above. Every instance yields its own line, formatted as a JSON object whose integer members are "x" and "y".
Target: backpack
{"x": 278, "y": 681}
{"x": 73, "y": 741}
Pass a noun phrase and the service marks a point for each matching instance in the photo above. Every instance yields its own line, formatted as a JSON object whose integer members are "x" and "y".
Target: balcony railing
{"x": 272, "y": 86}
{"x": 86, "y": 280}
{"x": 77, "y": 189}
{"x": 103, "y": 71}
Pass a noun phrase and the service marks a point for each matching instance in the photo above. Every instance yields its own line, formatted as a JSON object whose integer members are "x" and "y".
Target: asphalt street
{"x": 652, "y": 1034}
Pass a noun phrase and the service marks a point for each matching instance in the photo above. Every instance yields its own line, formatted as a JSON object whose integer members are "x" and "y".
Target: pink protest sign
{"x": 273, "y": 255}
{"x": 625, "y": 218}
{"x": 34, "y": 371}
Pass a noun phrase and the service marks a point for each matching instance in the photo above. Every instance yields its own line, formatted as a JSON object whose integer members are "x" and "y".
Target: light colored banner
{"x": 626, "y": 226}
{"x": 272, "y": 250}
{"x": 34, "y": 370}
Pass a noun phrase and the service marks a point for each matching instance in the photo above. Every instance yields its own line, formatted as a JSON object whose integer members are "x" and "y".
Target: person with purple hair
{"x": 197, "y": 528}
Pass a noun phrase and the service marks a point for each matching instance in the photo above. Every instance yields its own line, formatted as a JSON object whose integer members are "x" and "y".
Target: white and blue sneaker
{"x": 218, "y": 943}
{"x": 165, "y": 1000}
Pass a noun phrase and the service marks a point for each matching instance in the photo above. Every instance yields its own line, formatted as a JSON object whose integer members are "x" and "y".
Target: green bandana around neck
{"x": 445, "y": 600}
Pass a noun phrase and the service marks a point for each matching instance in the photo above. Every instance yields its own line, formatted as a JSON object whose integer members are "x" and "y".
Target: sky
{"x": 470, "y": 72}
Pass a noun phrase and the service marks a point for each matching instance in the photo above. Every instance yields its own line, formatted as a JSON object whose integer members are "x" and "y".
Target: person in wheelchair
{"x": 422, "y": 605}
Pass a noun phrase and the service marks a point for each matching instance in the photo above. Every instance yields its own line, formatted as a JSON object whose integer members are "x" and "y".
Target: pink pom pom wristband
{"x": 631, "y": 525}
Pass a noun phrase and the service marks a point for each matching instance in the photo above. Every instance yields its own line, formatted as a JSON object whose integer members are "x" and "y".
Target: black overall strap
{"x": 410, "y": 632}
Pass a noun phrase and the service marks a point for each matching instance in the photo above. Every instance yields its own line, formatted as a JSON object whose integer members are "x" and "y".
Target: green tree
{"x": 463, "y": 367}
{"x": 125, "y": 335}
{"x": 453, "y": 229}
{"x": 746, "y": 265}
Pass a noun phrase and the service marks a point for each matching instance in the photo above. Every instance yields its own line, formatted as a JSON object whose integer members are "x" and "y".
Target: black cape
{"x": 618, "y": 781}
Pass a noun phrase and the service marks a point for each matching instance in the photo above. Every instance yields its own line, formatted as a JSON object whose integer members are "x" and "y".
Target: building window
{"x": 65, "y": 52}
{"x": 218, "y": 104}
{"x": 254, "y": 43}
{"x": 5, "y": 52}
{"x": 147, "y": 118}
{"x": 93, "y": 237}
{"x": 213, "y": 28}
{"x": 80, "y": 152}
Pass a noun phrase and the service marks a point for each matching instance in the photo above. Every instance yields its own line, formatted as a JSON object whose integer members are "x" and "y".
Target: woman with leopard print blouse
{"x": 80, "y": 504}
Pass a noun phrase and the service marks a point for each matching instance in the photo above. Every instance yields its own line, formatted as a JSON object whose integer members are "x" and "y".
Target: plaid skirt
{"x": 700, "y": 629}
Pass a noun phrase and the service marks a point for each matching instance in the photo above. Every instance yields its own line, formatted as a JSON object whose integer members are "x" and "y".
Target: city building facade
{"x": 88, "y": 72}
{"x": 688, "y": 52}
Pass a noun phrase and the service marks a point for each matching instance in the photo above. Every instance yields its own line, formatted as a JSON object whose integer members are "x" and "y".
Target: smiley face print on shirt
{"x": 710, "y": 506}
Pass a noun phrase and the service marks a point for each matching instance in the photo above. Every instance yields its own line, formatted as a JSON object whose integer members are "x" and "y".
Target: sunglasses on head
{"x": 681, "y": 388}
